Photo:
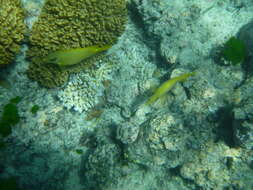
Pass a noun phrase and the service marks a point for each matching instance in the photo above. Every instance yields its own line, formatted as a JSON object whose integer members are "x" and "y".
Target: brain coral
{"x": 65, "y": 24}
{"x": 12, "y": 29}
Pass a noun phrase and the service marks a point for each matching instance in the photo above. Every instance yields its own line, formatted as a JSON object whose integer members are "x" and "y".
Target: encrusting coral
{"x": 84, "y": 90}
{"x": 12, "y": 30}
{"x": 67, "y": 24}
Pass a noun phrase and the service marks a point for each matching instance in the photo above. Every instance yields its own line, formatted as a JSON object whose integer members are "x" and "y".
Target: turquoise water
{"x": 91, "y": 128}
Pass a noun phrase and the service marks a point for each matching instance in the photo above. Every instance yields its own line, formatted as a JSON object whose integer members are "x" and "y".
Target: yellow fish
{"x": 73, "y": 56}
{"x": 166, "y": 86}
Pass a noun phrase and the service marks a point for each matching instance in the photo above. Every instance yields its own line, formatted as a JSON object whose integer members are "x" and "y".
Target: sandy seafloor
{"x": 197, "y": 137}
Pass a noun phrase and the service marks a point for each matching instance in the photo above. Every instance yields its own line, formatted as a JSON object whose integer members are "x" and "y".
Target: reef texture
{"x": 243, "y": 117}
{"x": 85, "y": 89}
{"x": 198, "y": 136}
{"x": 12, "y": 30}
{"x": 72, "y": 24}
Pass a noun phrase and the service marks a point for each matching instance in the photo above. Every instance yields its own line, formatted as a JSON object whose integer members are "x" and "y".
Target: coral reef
{"x": 163, "y": 141}
{"x": 70, "y": 24}
{"x": 197, "y": 136}
{"x": 243, "y": 117}
{"x": 127, "y": 132}
{"x": 86, "y": 89}
{"x": 215, "y": 167}
{"x": 12, "y": 30}
{"x": 101, "y": 167}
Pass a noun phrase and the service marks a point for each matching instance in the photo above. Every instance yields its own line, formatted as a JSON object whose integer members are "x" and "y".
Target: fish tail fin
{"x": 103, "y": 48}
{"x": 185, "y": 76}
{"x": 151, "y": 100}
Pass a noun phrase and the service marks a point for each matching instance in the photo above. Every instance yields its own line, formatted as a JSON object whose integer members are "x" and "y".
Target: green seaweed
{"x": 15, "y": 100}
{"x": 234, "y": 51}
{"x": 9, "y": 117}
{"x": 35, "y": 109}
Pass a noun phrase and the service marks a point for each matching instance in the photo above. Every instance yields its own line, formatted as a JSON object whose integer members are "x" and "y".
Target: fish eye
{"x": 53, "y": 60}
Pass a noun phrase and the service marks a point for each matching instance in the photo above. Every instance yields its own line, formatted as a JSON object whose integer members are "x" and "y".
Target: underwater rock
{"x": 242, "y": 124}
{"x": 100, "y": 168}
{"x": 246, "y": 35}
{"x": 12, "y": 30}
{"x": 216, "y": 167}
{"x": 127, "y": 132}
{"x": 72, "y": 24}
{"x": 162, "y": 139}
{"x": 166, "y": 132}
{"x": 243, "y": 134}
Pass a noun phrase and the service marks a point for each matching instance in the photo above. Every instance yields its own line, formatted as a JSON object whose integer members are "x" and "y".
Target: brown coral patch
{"x": 65, "y": 24}
{"x": 12, "y": 30}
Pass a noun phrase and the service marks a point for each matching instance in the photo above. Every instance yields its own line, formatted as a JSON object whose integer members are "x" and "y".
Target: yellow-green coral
{"x": 67, "y": 24}
{"x": 12, "y": 29}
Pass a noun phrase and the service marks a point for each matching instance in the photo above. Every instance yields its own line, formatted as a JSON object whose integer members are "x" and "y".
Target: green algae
{"x": 35, "y": 109}
{"x": 234, "y": 51}
{"x": 10, "y": 117}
